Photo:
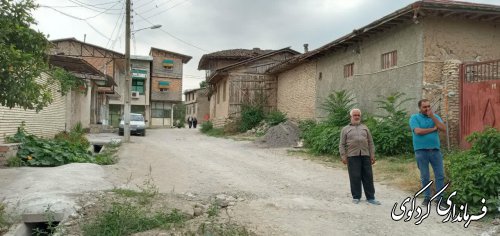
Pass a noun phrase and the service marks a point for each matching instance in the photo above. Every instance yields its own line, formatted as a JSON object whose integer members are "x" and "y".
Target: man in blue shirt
{"x": 424, "y": 127}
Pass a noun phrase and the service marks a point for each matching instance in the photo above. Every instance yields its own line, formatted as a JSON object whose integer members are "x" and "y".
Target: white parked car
{"x": 137, "y": 125}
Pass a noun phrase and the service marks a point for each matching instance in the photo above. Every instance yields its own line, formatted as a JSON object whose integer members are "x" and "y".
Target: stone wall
{"x": 450, "y": 108}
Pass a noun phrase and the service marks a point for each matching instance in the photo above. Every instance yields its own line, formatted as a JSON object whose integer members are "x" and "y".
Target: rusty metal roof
{"x": 79, "y": 67}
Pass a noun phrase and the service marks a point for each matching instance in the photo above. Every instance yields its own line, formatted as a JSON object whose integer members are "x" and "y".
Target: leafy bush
{"x": 206, "y": 126}
{"x": 4, "y": 221}
{"x": 486, "y": 142}
{"x": 216, "y": 132}
{"x": 391, "y": 133}
{"x": 126, "y": 219}
{"x": 65, "y": 148}
{"x": 338, "y": 105}
{"x": 251, "y": 116}
{"x": 15, "y": 162}
{"x": 275, "y": 117}
{"x": 322, "y": 139}
{"x": 305, "y": 126}
{"x": 475, "y": 174}
{"x": 232, "y": 127}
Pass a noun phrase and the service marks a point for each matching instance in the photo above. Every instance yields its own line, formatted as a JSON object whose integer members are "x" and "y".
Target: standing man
{"x": 424, "y": 127}
{"x": 358, "y": 152}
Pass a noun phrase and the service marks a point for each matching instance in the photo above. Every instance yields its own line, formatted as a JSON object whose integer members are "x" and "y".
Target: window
{"x": 138, "y": 85}
{"x": 224, "y": 93}
{"x": 163, "y": 86}
{"x": 389, "y": 59}
{"x": 168, "y": 64}
{"x": 160, "y": 110}
{"x": 349, "y": 70}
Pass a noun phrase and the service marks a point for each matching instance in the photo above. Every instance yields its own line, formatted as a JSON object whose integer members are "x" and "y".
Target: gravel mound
{"x": 285, "y": 134}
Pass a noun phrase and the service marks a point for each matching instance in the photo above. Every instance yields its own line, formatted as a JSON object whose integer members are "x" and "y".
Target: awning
{"x": 163, "y": 84}
{"x": 169, "y": 63}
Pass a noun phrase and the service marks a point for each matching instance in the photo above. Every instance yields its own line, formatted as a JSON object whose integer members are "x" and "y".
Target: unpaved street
{"x": 283, "y": 194}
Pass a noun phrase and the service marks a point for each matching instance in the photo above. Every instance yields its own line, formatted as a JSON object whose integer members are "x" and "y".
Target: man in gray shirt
{"x": 358, "y": 152}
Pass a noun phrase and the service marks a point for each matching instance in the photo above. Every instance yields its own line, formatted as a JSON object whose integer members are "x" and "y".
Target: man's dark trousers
{"x": 360, "y": 171}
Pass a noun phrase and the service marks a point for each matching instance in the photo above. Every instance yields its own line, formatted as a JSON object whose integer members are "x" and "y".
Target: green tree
{"x": 203, "y": 84}
{"x": 22, "y": 57}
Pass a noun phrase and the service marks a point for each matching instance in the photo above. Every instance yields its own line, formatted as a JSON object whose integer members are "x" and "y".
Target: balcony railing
{"x": 166, "y": 96}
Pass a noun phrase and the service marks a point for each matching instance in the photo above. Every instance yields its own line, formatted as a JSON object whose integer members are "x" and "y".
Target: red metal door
{"x": 480, "y": 98}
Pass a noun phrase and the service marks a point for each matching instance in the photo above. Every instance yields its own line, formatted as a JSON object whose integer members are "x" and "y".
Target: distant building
{"x": 197, "y": 104}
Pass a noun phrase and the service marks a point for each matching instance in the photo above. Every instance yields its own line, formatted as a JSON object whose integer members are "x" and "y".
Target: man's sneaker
{"x": 374, "y": 202}
{"x": 425, "y": 202}
{"x": 355, "y": 201}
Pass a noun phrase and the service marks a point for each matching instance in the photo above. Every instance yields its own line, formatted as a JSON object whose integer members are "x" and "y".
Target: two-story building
{"x": 166, "y": 85}
{"x": 197, "y": 104}
{"x": 237, "y": 76}
{"x": 95, "y": 109}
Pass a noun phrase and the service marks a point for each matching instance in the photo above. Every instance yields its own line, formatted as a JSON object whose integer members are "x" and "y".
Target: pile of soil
{"x": 285, "y": 134}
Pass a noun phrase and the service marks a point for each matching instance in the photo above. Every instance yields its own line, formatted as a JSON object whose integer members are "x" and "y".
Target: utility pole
{"x": 128, "y": 82}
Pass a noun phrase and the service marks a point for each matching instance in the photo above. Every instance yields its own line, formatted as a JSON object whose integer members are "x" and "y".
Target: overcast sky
{"x": 197, "y": 27}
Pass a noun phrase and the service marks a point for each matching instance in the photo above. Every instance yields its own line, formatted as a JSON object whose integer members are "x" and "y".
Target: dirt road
{"x": 279, "y": 194}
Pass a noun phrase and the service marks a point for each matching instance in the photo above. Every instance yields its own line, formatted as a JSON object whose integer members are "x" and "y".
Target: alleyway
{"x": 284, "y": 195}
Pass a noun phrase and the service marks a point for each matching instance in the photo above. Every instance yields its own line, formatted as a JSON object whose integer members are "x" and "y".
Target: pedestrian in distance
{"x": 195, "y": 122}
{"x": 358, "y": 153}
{"x": 424, "y": 128}
{"x": 190, "y": 121}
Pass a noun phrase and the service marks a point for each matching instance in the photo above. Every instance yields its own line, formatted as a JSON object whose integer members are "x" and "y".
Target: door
{"x": 480, "y": 98}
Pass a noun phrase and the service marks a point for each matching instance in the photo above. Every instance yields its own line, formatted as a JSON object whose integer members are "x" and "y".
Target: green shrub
{"x": 216, "y": 132}
{"x": 322, "y": 139}
{"x": 15, "y": 162}
{"x": 338, "y": 105}
{"x": 486, "y": 142}
{"x": 65, "y": 148}
{"x": 251, "y": 116}
{"x": 391, "y": 133}
{"x": 305, "y": 126}
{"x": 232, "y": 127}
{"x": 206, "y": 126}
{"x": 126, "y": 219}
{"x": 4, "y": 221}
{"x": 275, "y": 117}
{"x": 475, "y": 174}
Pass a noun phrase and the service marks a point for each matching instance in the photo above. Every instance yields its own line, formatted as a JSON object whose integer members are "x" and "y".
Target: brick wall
{"x": 297, "y": 92}
{"x": 46, "y": 123}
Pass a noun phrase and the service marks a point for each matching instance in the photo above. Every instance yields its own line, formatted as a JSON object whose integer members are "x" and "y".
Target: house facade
{"x": 197, "y": 104}
{"x": 237, "y": 76}
{"x": 166, "y": 85}
{"x": 109, "y": 62}
{"x": 63, "y": 112}
{"x": 140, "y": 91}
{"x": 417, "y": 50}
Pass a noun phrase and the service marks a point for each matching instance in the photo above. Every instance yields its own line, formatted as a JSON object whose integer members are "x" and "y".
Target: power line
{"x": 78, "y": 18}
{"x": 144, "y": 4}
{"x": 104, "y": 11}
{"x": 173, "y": 36}
{"x": 90, "y": 7}
{"x": 158, "y": 6}
{"x": 72, "y": 6}
{"x": 116, "y": 24}
{"x": 161, "y": 12}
